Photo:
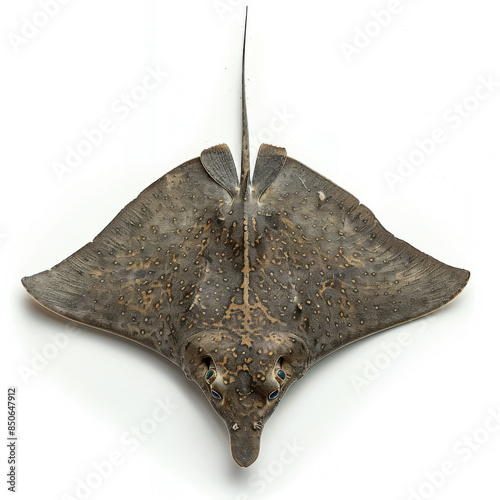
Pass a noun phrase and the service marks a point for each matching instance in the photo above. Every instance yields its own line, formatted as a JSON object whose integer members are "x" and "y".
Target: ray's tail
{"x": 245, "y": 146}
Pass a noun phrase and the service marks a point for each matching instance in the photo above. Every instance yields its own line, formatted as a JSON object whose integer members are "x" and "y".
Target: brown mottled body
{"x": 278, "y": 280}
{"x": 245, "y": 285}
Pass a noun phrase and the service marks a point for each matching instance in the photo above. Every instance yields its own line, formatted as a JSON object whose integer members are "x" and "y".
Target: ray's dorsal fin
{"x": 219, "y": 164}
{"x": 245, "y": 146}
{"x": 270, "y": 161}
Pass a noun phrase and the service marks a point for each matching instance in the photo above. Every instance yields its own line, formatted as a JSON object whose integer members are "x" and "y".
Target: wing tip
{"x": 462, "y": 278}
{"x": 39, "y": 289}
{"x": 453, "y": 284}
{"x": 30, "y": 284}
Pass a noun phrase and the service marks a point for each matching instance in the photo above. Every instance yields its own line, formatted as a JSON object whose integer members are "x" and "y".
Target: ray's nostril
{"x": 257, "y": 426}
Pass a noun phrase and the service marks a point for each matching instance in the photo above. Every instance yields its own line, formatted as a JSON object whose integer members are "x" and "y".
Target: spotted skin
{"x": 157, "y": 270}
{"x": 245, "y": 284}
{"x": 335, "y": 272}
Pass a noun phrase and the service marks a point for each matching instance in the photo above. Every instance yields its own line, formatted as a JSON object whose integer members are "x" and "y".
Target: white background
{"x": 352, "y": 121}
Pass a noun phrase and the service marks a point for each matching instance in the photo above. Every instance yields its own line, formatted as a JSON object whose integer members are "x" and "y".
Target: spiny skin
{"x": 248, "y": 285}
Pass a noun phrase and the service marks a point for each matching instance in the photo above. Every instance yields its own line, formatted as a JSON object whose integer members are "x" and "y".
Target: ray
{"x": 245, "y": 284}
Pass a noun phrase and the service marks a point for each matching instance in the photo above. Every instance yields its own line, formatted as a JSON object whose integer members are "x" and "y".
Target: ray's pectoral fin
{"x": 270, "y": 162}
{"x": 367, "y": 280}
{"x": 387, "y": 281}
{"x": 219, "y": 164}
{"x": 130, "y": 279}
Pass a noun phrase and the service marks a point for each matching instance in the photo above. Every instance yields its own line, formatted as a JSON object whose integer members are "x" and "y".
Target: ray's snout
{"x": 245, "y": 444}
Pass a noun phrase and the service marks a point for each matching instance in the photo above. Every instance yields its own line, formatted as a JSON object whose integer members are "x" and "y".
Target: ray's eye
{"x": 210, "y": 375}
{"x": 281, "y": 375}
{"x": 274, "y": 394}
{"x": 215, "y": 394}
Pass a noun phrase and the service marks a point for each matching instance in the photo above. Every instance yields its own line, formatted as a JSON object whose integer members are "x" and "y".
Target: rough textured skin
{"x": 249, "y": 287}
